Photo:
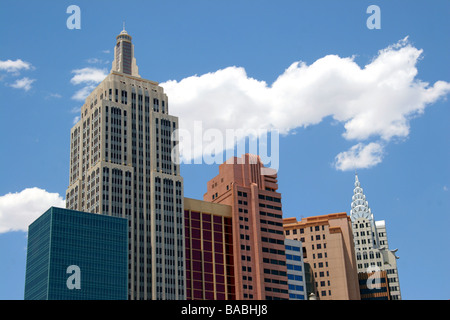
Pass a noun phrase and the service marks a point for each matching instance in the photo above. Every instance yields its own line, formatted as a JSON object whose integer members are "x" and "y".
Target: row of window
{"x": 302, "y": 230}
{"x": 269, "y": 198}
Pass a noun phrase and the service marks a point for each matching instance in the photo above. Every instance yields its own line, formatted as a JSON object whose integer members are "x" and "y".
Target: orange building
{"x": 328, "y": 248}
{"x": 257, "y": 227}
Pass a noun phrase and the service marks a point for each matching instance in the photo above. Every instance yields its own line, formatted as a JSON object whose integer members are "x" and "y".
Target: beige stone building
{"x": 372, "y": 249}
{"x": 120, "y": 165}
{"x": 328, "y": 248}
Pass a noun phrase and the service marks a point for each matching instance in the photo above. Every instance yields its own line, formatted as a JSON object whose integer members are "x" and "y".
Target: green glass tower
{"x": 74, "y": 255}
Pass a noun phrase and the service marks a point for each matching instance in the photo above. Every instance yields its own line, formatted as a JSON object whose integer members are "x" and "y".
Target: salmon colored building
{"x": 257, "y": 227}
{"x": 328, "y": 248}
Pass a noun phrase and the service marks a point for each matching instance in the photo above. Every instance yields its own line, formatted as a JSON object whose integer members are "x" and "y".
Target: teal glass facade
{"x": 97, "y": 245}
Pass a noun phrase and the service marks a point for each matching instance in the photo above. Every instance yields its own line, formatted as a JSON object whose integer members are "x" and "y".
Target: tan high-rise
{"x": 120, "y": 165}
{"x": 328, "y": 248}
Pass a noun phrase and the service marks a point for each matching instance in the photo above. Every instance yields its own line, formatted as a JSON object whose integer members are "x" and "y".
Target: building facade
{"x": 209, "y": 251}
{"x": 374, "y": 285}
{"x": 371, "y": 243}
{"x": 74, "y": 255}
{"x": 121, "y": 165}
{"x": 327, "y": 244}
{"x": 257, "y": 228}
{"x": 295, "y": 270}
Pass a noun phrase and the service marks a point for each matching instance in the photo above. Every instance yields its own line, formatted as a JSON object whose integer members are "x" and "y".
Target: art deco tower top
{"x": 124, "y": 60}
{"x": 360, "y": 206}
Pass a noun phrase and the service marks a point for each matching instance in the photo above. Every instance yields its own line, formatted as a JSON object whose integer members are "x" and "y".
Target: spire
{"x": 124, "y": 60}
{"x": 360, "y": 206}
{"x": 357, "y": 184}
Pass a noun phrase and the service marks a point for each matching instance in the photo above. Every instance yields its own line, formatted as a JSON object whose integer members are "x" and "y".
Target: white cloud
{"x": 14, "y": 66}
{"x": 24, "y": 83}
{"x": 90, "y": 77}
{"x": 376, "y": 101}
{"x": 54, "y": 95}
{"x": 75, "y": 120}
{"x": 359, "y": 156}
{"x": 97, "y": 61}
{"x": 76, "y": 110}
{"x": 83, "y": 93}
{"x": 93, "y": 60}
{"x": 18, "y": 210}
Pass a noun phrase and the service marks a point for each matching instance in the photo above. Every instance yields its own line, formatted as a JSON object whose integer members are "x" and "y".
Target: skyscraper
{"x": 121, "y": 165}
{"x": 257, "y": 228}
{"x": 371, "y": 244}
{"x": 75, "y": 255}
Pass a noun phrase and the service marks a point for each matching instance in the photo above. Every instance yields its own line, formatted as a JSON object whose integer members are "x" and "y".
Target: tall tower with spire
{"x": 361, "y": 214}
{"x": 121, "y": 165}
{"x": 124, "y": 60}
{"x": 371, "y": 248}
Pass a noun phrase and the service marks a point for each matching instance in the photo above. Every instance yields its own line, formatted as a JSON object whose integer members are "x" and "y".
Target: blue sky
{"x": 383, "y": 107}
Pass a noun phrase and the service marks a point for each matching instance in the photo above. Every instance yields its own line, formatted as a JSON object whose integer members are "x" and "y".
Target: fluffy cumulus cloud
{"x": 24, "y": 83}
{"x": 373, "y": 103}
{"x": 14, "y": 66}
{"x": 360, "y": 156}
{"x": 18, "y": 210}
{"x": 89, "y": 78}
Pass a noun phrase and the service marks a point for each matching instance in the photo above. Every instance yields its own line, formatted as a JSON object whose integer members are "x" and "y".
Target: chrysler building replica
{"x": 121, "y": 165}
{"x": 372, "y": 250}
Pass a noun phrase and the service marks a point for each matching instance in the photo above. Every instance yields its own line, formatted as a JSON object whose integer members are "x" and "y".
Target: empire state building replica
{"x": 121, "y": 165}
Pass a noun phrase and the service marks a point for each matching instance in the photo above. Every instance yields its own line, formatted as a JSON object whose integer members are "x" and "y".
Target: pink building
{"x": 257, "y": 227}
